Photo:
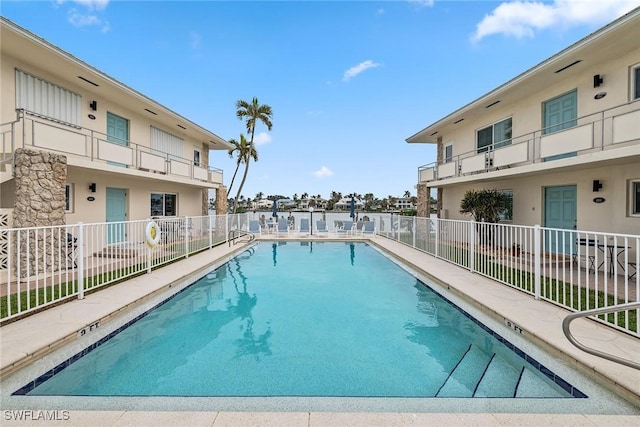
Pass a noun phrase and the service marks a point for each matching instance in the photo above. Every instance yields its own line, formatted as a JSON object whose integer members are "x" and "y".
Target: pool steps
{"x": 478, "y": 374}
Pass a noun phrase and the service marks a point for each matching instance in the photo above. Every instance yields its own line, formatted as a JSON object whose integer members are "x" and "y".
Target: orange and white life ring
{"x": 152, "y": 233}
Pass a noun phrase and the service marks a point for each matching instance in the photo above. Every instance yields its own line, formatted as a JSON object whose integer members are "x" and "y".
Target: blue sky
{"x": 348, "y": 81}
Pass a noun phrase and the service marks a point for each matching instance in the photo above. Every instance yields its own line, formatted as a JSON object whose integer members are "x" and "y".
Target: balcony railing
{"x": 32, "y": 131}
{"x": 599, "y": 131}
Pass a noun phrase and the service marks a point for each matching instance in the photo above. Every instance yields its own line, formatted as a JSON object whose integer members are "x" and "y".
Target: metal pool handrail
{"x": 237, "y": 233}
{"x": 605, "y": 310}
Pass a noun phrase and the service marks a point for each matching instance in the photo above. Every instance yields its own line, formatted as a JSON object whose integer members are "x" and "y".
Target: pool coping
{"x": 23, "y": 342}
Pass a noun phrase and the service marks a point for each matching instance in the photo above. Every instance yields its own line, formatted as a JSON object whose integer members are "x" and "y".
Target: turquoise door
{"x": 117, "y": 133}
{"x": 560, "y": 113}
{"x": 116, "y": 212}
{"x": 560, "y": 211}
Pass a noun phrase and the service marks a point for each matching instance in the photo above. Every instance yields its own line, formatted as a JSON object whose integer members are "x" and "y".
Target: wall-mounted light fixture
{"x": 597, "y": 80}
{"x": 93, "y": 105}
{"x": 597, "y": 185}
{"x": 92, "y": 187}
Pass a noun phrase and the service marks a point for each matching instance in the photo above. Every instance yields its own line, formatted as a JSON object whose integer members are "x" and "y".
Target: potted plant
{"x": 515, "y": 249}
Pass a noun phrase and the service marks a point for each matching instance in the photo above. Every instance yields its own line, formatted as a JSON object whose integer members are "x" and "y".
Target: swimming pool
{"x": 304, "y": 319}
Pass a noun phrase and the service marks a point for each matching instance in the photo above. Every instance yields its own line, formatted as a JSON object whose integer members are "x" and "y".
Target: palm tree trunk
{"x": 234, "y": 178}
{"x": 246, "y": 170}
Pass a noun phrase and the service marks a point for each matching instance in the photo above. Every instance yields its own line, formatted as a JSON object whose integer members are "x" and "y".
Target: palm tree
{"x": 252, "y": 113}
{"x": 243, "y": 152}
{"x": 407, "y": 194}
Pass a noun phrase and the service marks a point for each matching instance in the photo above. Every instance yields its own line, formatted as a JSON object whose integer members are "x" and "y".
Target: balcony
{"x": 600, "y": 137}
{"x": 90, "y": 149}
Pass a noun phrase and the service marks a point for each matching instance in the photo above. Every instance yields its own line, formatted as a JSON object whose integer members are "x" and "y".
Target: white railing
{"x": 32, "y": 131}
{"x": 578, "y": 270}
{"x": 594, "y": 132}
{"x": 44, "y": 265}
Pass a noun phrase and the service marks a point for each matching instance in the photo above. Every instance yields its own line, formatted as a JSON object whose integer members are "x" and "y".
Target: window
{"x": 448, "y": 153}
{"x": 164, "y": 204}
{"x": 164, "y": 143}
{"x": 635, "y": 82}
{"x": 196, "y": 157}
{"x": 634, "y": 197}
{"x": 47, "y": 100}
{"x": 68, "y": 197}
{"x": 507, "y": 214}
{"x": 494, "y": 136}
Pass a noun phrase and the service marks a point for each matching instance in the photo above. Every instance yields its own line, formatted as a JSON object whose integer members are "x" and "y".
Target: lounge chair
{"x": 369, "y": 227}
{"x": 321, "y": 227}
{"x": 283, "y": 227}
{"x": 254, "y": 227}
{"x": 304, "y": 226}
{"x": 347, "y": 228}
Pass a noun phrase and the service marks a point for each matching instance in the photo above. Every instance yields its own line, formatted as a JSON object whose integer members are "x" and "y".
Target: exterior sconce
{"x": 92, "y": 187}
{"x": 93, "y": 105}
{"x": 597, "y": 80}
{"x": 597, "y": 185}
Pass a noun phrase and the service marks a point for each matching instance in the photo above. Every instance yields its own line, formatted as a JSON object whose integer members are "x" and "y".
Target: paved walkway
{"x": 28, "y": 340}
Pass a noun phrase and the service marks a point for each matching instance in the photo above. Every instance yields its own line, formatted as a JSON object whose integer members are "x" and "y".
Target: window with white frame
{"x": 507, "y": 213}
{"x": 448, "y": 153}
{"x": 47, "y": 100}
{"x": 164, "y": 204}
{"x": 634, "y": 197}
{"x": 196, "y": 157}
{"x": 68, "y": 197}
{"x": 494, "y": 136}
{"x": 635, "y": 82}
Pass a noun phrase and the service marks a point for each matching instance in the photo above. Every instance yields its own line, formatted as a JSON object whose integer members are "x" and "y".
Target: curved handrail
{"x": 606, "y": 310}
{"x": 237, "y": 233}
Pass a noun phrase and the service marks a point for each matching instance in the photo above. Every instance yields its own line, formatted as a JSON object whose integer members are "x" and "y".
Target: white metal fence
{"x": 44, "y": 265}
{"x": 579, "y": 270}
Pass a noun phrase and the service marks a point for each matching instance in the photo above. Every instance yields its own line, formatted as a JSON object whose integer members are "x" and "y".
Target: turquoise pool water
{"x": 304, "y": 319}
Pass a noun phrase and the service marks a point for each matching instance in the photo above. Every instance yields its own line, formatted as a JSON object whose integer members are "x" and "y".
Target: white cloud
{"x": 261, "y": 138}
{"x": 89, "y": 4}
{"x": 421, "y": 3}
{"x": 323, "y": 172}
{"x": 522, "y": 18}
{"x": 355, "y": 70}
{"x": 78, "y": 19}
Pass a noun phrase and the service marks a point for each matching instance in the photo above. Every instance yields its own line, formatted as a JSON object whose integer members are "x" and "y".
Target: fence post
{"x": 226, "y": 229}
{"x": 415, "y": 230}
{"x": 149, "y": 248}
{"x": 210, "y": 228}
{"x": 80, "y": 256}
{"x": 536, "y": 260}
{"x": 436, "y": 227}
{"x": 472, "y": 245}
{"x": 186, "y": 237}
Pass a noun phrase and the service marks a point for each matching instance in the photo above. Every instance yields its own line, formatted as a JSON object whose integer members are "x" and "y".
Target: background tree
{"x": 252, "y": 113}
{"x": 243, "y": 151}
{"x": 485, "y": 206}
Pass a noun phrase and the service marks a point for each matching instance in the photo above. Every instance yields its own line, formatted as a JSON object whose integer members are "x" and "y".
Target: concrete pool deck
{"x": 31, "y": 339}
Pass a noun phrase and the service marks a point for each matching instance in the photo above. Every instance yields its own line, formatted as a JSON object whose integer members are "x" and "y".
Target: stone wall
{"x": 424, "y": 201}
{"x": 221, "y": 200}
{"x": 40, "y": 179}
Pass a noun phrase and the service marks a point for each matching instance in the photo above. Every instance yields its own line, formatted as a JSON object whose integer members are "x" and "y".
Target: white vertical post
{"x": 472, "y": 245}
{"x": 536, "y": 260}
{"x": 226, "y": 225}
{"x": 210, "y": 231}
{"x": 149, "y": 248}
{"x": 415, "y": 230}
{"x": 436, "y": 223}
{"x": 80, "y": 257}
{"x": 186, "y": 236}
